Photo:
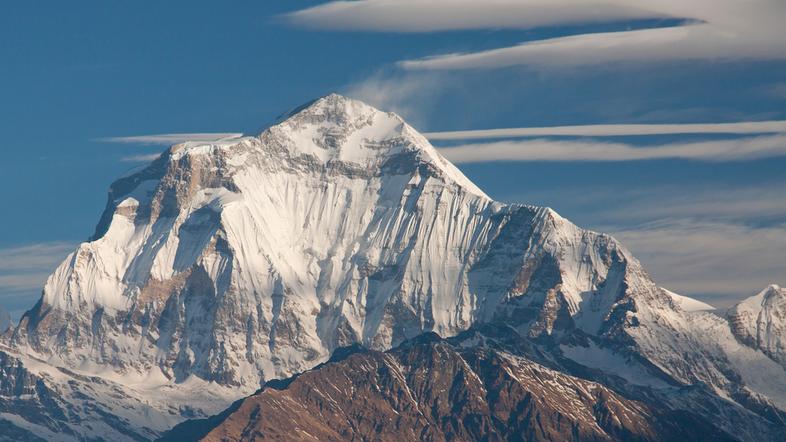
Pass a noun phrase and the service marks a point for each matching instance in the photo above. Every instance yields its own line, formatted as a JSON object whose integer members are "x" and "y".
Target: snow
{"x": 608, "y": 361}
{"x": 688, "y": 304}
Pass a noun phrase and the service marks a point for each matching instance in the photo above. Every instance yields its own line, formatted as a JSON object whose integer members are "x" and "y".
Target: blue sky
{"x": 706, "y": 223}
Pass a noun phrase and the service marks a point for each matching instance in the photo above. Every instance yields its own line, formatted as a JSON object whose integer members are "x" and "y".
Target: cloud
{"x": 731, "y": 261}
{"x": 697, "y": 41}
{"x": 609, "y": 130}
{"x": 583, "y": 150}
{"x": 741, "y": 205}
{"x": 711, "y": 30}
{"x": 34, "y": 256}
{"x": 144, "y": 158}
{"x": 449, "y": 15}
{"x": 397, "y": 93}
{"x": 23, "y": 272}
{"x": 170, "y": 139}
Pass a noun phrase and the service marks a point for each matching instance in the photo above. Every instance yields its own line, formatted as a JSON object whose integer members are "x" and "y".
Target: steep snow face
{"x": 760, "y": 322}
{"x": 253, "y": 258}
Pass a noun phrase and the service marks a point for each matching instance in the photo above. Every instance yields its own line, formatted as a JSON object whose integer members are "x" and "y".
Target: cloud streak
{"x": 699, "y": 257}
{"x": 144, "y": 158}
{"x": 611, "y": 130}
{"x": 712, "y": 29}
{"x": 451, "y": 15}
{"x": 170, "y": 139}
{"x": 581, "y": 150}
{"x": 697, "y": 41}
{"x": 23, "y": 272}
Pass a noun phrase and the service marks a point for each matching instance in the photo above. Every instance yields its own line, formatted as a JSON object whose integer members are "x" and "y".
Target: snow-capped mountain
{"x": 253, "y": 258}
{"x": 225, "y": 264}
{"x": 760, "y": 322}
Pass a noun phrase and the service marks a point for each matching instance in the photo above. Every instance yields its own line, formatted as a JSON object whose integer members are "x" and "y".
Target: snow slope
{"x": 689, "y": 304}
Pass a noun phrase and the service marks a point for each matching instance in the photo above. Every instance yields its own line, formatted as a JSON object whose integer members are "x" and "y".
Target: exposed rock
{"x": 429, "y": 389}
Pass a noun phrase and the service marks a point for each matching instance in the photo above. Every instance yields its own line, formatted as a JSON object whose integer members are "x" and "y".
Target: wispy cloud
{"x": 712, "y": 29}
{"x": 449, "y": 15}
{"x": 609, "y": 130}
{"x": 23, "y": 272}
{"x": 697, "y": 41}
{"x": 169, "y": 139}
{"x": 587, "y": 150}
{"x": 34, "y": 256}
{"x": 699, "y": 257}
{"x": 144, "y": 158}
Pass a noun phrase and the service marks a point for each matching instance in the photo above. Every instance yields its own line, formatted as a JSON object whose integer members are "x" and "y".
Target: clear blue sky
{"x": 73, "y": 74}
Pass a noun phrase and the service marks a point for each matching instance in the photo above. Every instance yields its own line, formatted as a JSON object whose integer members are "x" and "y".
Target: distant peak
{"x": 773, "y": 290}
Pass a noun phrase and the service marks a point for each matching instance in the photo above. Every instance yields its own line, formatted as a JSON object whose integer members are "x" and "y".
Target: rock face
{"x": 430, "y": 389}
{"x": 760, "y": 322}
{"x": 222, "y": 265}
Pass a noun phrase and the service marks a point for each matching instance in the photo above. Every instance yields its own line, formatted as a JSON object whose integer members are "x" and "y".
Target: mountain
{"x": 432, "y": 389}
{"x": 760, "y": 322}
{"x": 487, "y": 383}
{"x": 224, "y": 265}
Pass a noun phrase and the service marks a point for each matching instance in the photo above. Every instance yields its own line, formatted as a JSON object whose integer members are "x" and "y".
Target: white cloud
{"x": 583, "y": 150}
{"x": 697, "y": 41}
{"x": 34, "y": 256}
{"x": 170, "y": 139}
{"x": 447, "y": 15}
{"x": 699, "y": 257}
{"x": 713, "y": 29}
{"x": 143, "y": 158}
{"x": 23, "y": 272}
{"x": 606, "y": 130}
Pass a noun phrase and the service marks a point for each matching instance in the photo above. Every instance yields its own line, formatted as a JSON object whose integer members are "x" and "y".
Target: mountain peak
{"x": 760, "y": 322}
{"x": 337, "y": 129}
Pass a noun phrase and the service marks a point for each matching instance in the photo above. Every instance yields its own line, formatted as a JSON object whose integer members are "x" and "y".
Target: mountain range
{"x": 337, "y": 278}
